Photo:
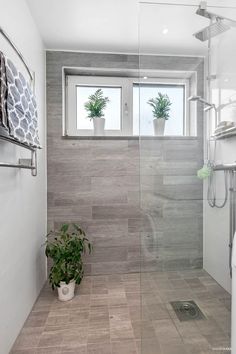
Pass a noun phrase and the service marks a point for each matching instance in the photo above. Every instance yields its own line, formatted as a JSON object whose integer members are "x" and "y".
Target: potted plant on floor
{"x": 160, "y": 109}
{"x": 95, "y": 108}
{"x": 66, "y": 248}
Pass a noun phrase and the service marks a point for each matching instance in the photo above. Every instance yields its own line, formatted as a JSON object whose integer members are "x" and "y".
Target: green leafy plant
{"x": 96, "y": 104}
{"x": 160, "y": 106}
{"x": 66, "y": 249}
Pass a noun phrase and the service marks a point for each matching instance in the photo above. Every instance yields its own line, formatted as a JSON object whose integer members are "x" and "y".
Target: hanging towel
{"x": 21, "y": 107}
{"x": 3, "y": 94}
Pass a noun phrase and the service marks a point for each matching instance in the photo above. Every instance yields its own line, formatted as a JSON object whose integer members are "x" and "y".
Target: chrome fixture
{"x": 187, "y": 310}
{"x": 202, "y": 11}
{"x": 219, "y": 24}
{"x": 30, "y": 72}
{"x": 202, "y": 100}
{"x": 225, "y": 167}
{"x": 29, "y": 164}
{"x": 222, "y": 106}
{"x": 231, "y": 170}
{"x": 208, "y": 105}
{"x": 211, "y": 31}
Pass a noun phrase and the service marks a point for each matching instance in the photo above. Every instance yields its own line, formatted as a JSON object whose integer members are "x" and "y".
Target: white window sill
{"x": 131, "y": 137}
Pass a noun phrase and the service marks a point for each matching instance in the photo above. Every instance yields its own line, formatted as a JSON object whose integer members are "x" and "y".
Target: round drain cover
{"x": 189, "y": 309}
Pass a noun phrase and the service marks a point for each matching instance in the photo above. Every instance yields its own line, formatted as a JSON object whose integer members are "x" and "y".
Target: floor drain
{"x": 187, "y": 310}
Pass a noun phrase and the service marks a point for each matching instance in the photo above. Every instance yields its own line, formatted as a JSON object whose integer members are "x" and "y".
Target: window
{"x": 142, "y": 113}
{"x": 79, "y": 88}
{"x": 127, "y": 112}
{"x": 112, "y": 113}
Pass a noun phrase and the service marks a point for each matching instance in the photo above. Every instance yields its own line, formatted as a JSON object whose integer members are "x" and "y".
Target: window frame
{"x": 126, "y": 85}
{"x": 174, "y": 82}
{"x": 101, "y": 81}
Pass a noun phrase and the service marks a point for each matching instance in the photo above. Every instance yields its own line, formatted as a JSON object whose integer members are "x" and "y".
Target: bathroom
{"x": 148, "y": 179}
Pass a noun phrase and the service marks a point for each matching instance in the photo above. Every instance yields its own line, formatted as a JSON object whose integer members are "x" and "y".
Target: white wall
{"x": 216, "y": 221}
{"x": 22, "y": 197}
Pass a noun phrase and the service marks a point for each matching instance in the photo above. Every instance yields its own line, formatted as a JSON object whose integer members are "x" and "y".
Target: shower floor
{"x": 105, "y": 317}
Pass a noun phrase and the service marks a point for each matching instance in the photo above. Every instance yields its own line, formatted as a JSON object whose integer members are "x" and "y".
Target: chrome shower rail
{"x": 225, "y": 167}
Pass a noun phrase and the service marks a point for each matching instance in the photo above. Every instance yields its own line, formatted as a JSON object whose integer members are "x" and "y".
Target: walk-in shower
{"x": 188, "y": 222}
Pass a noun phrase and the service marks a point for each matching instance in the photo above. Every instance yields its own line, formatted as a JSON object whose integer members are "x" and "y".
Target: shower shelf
{"x": 226, "y": 134}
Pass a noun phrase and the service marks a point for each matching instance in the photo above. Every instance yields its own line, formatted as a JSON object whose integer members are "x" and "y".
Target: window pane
{"x": 143, "y": 92}
{"x": 112, "y": 112}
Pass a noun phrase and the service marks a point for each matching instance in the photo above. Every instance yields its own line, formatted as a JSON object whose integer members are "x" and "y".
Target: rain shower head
{"x": 219, "y": 24}
{"x": 211, "y": 31}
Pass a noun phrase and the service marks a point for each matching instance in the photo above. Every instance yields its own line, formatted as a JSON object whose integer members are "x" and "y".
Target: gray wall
{"x": 96, "y": 182}
{"x": 171, "y": 194}
{"x": 171, "y": 201}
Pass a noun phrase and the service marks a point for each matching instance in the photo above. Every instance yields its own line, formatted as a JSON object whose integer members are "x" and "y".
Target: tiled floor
{"x": 105, "y": 318}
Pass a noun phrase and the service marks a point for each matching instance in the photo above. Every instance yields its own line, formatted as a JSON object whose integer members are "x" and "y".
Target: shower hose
{"x": 211, "y": 192}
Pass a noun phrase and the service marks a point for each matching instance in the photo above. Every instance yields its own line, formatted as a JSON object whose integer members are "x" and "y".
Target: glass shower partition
{"x": 185, "y": 305}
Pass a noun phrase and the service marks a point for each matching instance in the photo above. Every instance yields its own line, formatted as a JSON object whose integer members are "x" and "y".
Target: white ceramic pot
{"x": 66, "y": 292}
{"x": 99, "y": 126}
{"x": 159, "y": 126}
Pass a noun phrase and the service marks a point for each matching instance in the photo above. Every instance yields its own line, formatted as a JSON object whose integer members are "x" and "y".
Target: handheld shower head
{"x": 194, "y": 98}
{"x": 208, "y": 108}
{"x": 202, "y": 100}
{"x": 208, "y": 105}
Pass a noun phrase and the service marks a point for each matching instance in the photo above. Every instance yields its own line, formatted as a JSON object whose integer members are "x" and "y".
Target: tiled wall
{"x": 97, "y": 182}
{"x": 171, "y": 200}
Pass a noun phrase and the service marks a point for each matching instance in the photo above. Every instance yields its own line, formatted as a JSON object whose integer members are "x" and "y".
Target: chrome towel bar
{"x": 19, "y": 165}
{"x": 30, "y": 164}
{"x": 5, "y": 35}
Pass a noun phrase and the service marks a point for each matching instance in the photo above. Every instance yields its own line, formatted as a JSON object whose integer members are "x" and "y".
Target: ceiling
{"x": 122, "y": 25}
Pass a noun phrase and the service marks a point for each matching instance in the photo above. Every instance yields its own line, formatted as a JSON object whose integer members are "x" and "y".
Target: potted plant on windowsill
{"x": 95, "y": 108}
{"x": 66, "y": 248}
{"x": 160, "y": 109}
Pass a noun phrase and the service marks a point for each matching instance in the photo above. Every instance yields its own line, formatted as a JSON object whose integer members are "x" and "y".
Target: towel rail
{"x": 19, "y": 165}
{"x": 5, "y": 35}
{"x": 18, "y": 143}
{"x": 30, "y": 164}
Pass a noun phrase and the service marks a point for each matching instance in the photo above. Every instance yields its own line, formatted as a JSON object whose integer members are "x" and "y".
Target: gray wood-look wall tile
{"x": 138, "y": 201}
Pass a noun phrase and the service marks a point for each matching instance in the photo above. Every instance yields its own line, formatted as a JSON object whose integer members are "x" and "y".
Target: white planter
{"x": 99, "y": 126}
{"x": 66, "y": 292}
{"x": 159, "y": 126}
